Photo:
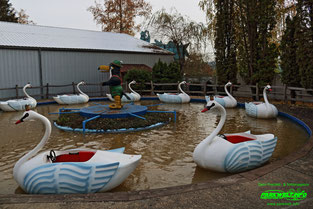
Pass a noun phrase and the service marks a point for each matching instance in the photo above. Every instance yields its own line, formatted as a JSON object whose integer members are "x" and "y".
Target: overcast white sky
{"x": 74, "y": 14}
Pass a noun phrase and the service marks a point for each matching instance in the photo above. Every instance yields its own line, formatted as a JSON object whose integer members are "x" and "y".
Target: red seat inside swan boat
{"x": 235, "y": 139}
{"x": 81, "y": 156}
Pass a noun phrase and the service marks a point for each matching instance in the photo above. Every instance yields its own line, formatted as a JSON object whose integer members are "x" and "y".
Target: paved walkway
{"x": 237, "y": 191}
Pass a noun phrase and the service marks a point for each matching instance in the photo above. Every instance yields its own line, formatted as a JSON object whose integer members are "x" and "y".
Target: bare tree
{"x": 23, "y": 18}
{"x": 180, "y": 30}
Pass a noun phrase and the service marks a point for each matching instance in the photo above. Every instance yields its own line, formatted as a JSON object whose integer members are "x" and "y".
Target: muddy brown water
{"x": 166, "y": 151}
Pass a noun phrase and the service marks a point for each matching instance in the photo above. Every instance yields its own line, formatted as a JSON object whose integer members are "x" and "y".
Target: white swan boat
{"x": 70, "y": 171}
{"x": 262, "y": 109}
{"x": 134, "y": 96}
{"x": 73, "y": 98}
{"x": 19, "y": 104}
{"x": 226, "y": 101}
{"x": 232, "y": 152}
{"x": 175, "y": 98}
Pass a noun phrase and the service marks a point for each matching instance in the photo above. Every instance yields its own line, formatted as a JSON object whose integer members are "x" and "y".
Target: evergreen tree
{"x": 257, "y": 55}
{"x": 225, "y": 46}
{"x": 304, "y": 36}
{"x": 7, "y": 12}
{"x": 288, "y": 48}
{"x": 164, "y": 73}
{"x": 140, "y": 76}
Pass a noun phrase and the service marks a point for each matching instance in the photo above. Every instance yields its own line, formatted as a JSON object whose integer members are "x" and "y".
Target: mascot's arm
{"x": 114, "y": 81}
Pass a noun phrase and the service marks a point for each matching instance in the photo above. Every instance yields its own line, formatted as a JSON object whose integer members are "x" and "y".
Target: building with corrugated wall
{"x": 44, "y": 55}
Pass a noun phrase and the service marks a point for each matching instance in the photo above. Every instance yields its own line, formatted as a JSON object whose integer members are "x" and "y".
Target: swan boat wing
{"x": 170, "y": 98}
{"x": 207, "y": 98}
{"x": 69, "y": 178}
{"x": 220, "y": 100}
{"x": 185, "y": 98}
{"x": 240, "y": 152}
{"x": 250, "y": 154}
{"x": 71, "y": 99}
{"x": 130, "y": 95}
{"x": 251, "y": 109}
{"x": 174, "y": 98}
{"x": 104, "y": 171}
{"x": 18, "y": 104}
{"x": 261, "y": 110}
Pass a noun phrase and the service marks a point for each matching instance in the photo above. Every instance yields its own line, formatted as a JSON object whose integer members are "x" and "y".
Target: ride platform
{"x": 103, "y": 111}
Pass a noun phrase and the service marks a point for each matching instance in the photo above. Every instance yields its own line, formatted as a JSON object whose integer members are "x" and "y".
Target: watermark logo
{"x": 284, "y": 193}
{"x": 291, "y": 195}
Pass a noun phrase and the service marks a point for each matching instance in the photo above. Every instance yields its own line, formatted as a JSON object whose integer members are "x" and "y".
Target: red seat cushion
{"x": 81, "y": 156}
{"x": 238, "y": 139}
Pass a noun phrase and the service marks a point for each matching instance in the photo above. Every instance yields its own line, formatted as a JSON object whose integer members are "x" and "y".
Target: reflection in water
{"x": 166, "y": 151}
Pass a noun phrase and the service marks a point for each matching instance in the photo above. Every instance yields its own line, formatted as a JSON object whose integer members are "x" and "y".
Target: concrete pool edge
{"x": 153, "y": 193}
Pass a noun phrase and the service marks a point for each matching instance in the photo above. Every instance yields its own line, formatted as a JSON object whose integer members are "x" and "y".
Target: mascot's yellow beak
{"x": 104, "y": 68}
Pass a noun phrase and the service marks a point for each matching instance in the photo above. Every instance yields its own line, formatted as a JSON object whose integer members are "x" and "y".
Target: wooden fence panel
{"x": 279, "y": 92}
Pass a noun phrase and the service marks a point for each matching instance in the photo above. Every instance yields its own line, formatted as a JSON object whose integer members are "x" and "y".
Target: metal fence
{"x": 283, "y": 93}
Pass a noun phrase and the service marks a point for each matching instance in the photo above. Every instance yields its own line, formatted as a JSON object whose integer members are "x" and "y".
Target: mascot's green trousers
{"x": 115, "y": 83}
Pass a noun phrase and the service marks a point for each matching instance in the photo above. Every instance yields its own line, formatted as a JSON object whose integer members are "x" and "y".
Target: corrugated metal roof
{"x": 20, "y": 35}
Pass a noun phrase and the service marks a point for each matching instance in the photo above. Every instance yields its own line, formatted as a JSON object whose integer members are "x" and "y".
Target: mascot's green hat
{"x": 117, "y": 63}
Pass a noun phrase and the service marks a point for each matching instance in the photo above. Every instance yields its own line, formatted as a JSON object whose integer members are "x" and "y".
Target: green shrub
{"x": 164, "y": 73}
{"x": 140, "y": 76}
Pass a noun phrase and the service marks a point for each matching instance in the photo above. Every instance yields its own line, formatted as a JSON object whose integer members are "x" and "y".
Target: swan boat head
{"x": 28, "y": 115}
{"x": 28, "y": 85}
{"x": 212, "y": 104}
{"x": 268, "y": 87}
{"x": 229, "y": 83}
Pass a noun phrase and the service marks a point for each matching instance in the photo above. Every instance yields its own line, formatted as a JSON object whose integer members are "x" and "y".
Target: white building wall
{"x": 20, "y": 66}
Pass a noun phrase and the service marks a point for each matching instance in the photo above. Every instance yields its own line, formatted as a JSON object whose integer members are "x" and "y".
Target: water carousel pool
{"x": 166, "y": 151}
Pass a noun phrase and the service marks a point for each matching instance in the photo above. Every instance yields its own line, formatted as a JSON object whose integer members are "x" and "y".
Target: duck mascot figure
{"x": 115, "y": 83}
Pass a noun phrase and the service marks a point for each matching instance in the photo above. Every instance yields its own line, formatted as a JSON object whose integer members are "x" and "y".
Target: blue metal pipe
{"x": 68, "y": 109}
{"x": 136, "y": 116}
{"x": 154, "y": 105}
{"x": 96, "y": 103}
{"x": 64, "y": 112}
{"x": 85, "y": 121}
